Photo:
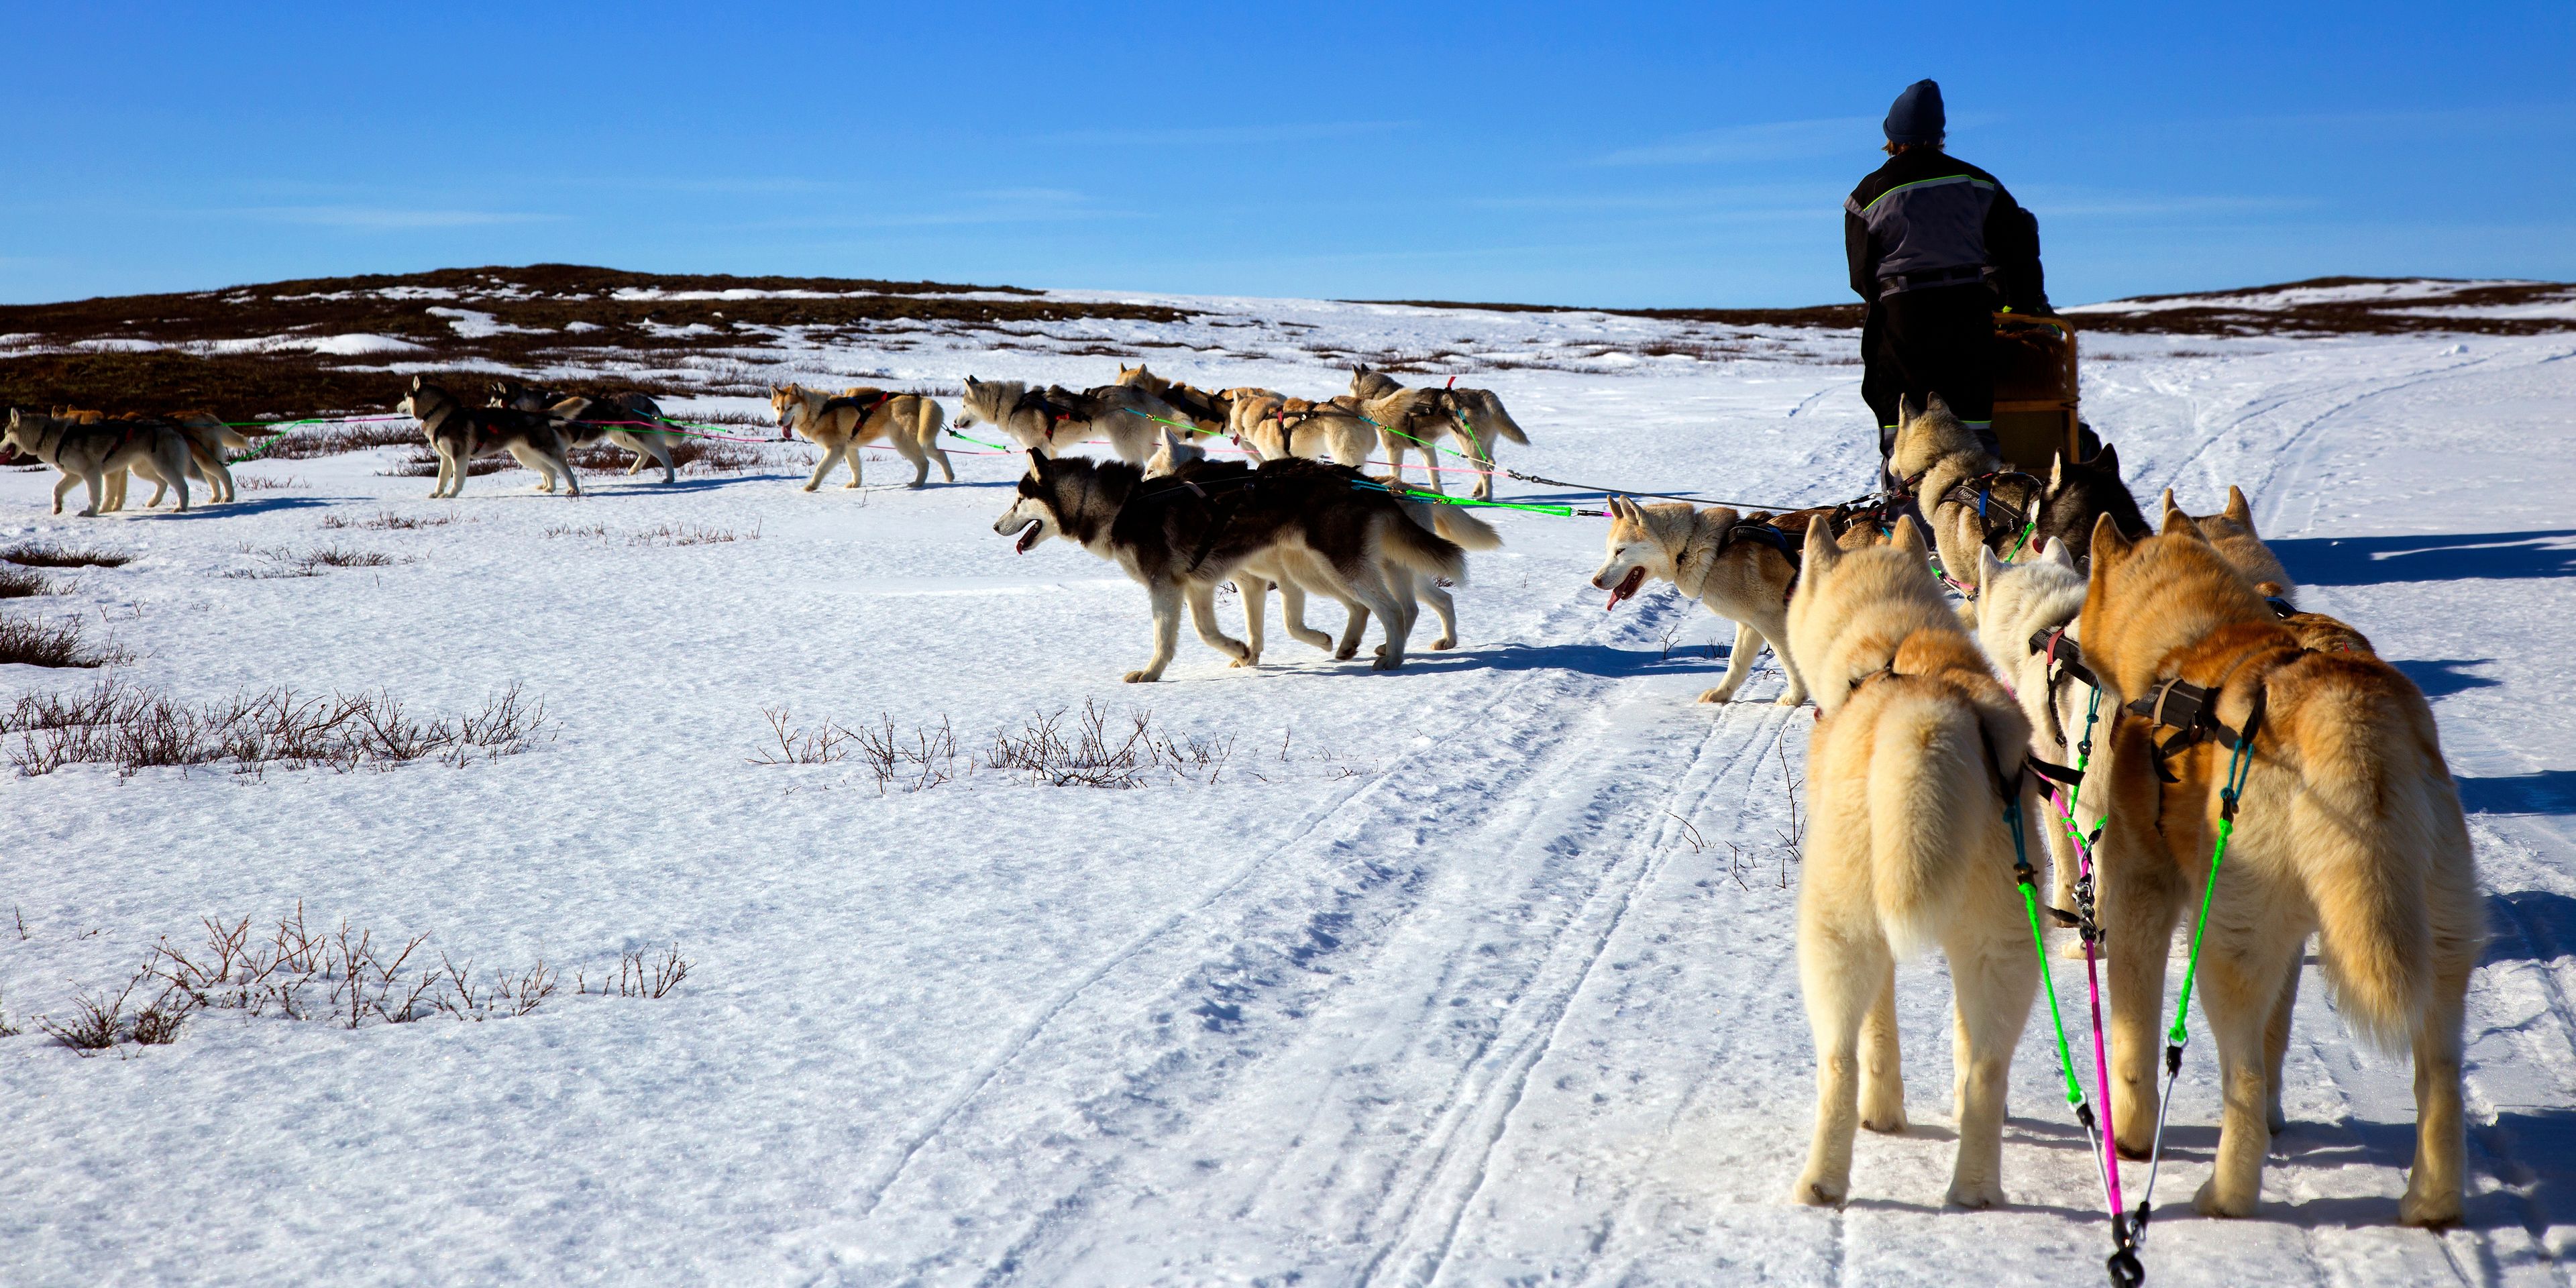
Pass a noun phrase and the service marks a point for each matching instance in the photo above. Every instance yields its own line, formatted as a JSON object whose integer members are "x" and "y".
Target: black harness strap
{"x": 1979, "y": 491}
{"x": 1762, "y": 532}
{"x": 2192, "y": 712}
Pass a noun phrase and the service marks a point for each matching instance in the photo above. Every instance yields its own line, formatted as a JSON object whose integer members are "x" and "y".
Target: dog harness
{"x": 1979, "y": 491}
{"x": 2191, "y": 710}
{"x": 1762, "y": 529}
{"x": 1055, "y": 413}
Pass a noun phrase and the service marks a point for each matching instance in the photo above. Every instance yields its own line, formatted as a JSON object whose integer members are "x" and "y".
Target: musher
{"x": 1936, "y": 245}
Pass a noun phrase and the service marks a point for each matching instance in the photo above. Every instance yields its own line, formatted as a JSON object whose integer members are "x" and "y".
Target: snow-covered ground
{"x": 1478, "y": 972}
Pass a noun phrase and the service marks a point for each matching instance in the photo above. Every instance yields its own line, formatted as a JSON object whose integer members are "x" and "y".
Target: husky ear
{"x": 2107, "y": 460}
{"x": 2110, "y": 545}
{"x": 1822, "y": 550}
{"x": 1908, "y": 539}
{"x": 2237, "y": 509}
{"x": 1906, "y": 411}
{"x": 2177, "y": 524}
{"x": 416, "y": 382}
{"x": 1933, "y": 403}
{"x": 2170, "y": 505}
{"x": 2056, "y": 473}
{"x": 1039, "y": 465}
{"x": 2057, "y": 552}
{"x": 1989, "y": 567}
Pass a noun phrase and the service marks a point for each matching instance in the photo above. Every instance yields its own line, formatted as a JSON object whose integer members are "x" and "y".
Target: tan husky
{"x": 1742, "y": 567}
{"x": 1475, "y": 417}
{"x": 842, "y": 424}
{"x": 2231, "y": 532}
{"x": 90, "y": 453}
{"x": 1972, "y": 500}
{"x": 2349, "y": 827}
{"x": 1915, "y": 753}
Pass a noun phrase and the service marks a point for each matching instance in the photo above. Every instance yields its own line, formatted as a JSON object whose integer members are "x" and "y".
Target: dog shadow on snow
{"x": 233, "y": 509}
{"x": 1583, "y": 659}
{"x": 2370, "y": 561}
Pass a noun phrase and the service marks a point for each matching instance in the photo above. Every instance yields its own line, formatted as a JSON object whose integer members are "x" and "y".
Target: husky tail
{"x": 1487, "y": 412}
{"x": 928, "y": 422}
{"x": 1470, "y": 532}
{"x": 1931, "y": 802}
{"x": 2377, "y": 809}
{"x": 1411, "y": 545}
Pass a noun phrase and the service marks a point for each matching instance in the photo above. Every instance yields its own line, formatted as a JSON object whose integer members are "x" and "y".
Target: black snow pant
{"x": 1938, "y": 340}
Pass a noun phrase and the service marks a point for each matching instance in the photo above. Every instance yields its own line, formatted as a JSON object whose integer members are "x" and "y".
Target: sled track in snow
{"x": 1280, "y": 942}
{"x": 1427, "y": 1226}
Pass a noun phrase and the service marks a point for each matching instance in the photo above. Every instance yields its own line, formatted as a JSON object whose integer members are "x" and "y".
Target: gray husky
{"x": 1049, "y": 420}
{"x": 89, "y": 453}
{"x": 459, "y": 433}
{"x": 1182, "y": 535}
{"x": 622, "y": 419}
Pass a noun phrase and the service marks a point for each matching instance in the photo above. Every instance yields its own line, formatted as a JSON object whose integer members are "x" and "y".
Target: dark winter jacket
{"x": 1927, "y": 219}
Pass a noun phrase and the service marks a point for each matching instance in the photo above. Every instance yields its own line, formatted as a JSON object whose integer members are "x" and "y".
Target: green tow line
{"x": 2025, "y": 877}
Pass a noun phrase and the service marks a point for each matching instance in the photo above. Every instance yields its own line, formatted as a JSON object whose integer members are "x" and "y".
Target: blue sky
{"x": 1641, "y": 155}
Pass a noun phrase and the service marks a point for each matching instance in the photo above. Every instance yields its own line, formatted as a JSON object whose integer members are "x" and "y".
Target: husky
{"x": 207, "y": 439}
{"x": 842, "y": 424}
{"x": 1182, "y": 535}
{"x": 2348, "y": 827}
{"x": 1317, "y": 431}
{"x": 1128, "y": 417}
{"x": 2231, "y": 533}
{"x": 1475, "y": 417}
{"x": 2079, "y": 492}
{"x": 1916, "y": 751}
{"x": 459, "y": 433}
{"x": 590, "y": 421}
{"x": 1259, "y": 575}
{"x": 1970, "y": 498}
{"x": 2025, "y": 617}
{"x": 90, "y": 453}
{"x": 1743, "y": 567}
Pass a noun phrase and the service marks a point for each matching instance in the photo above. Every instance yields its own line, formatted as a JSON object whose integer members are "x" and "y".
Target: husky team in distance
{"x": 1964, "y": 638}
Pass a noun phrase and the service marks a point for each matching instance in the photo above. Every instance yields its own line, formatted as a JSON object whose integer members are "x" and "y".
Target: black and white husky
{"x": 1184, "y": 534}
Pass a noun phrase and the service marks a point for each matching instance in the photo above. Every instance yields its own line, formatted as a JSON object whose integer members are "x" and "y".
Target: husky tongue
{"x": 1028, "y": 537}
{"x": 1626, "y": 588}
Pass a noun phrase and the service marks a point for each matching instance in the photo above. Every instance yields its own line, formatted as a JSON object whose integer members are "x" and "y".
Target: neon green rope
{"x": 2237, "y": 771}
{"x": 2039, "y": 948}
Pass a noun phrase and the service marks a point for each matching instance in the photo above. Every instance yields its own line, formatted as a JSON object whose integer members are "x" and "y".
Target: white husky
{"x": 2026, "y": 621}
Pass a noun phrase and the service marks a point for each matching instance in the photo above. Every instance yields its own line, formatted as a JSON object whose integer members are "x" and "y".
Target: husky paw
{"x": 2209, "y": 1202}
{"x": 1141, "y": 677}
{"x": 1815, "y": 1191}
{"x": 807, "y": 488}
{"x": 1793, "y": 698}
{"x": 1975, "y": 1197}
{"x": 1344, "y": 654}
{"x": 1385, "y": 663}
{"x": 1718, "y": 694}
{"x": 2430, "y": 1211}
{"x": 1444, "y": 643}
{"x": 1246, "y": 660}
{"x": 1888, "y": 1120}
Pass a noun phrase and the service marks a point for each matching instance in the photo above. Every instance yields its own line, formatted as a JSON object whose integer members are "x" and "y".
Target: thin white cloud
{"x": 389, "y": 218}
{"x": 1768, "y": 141}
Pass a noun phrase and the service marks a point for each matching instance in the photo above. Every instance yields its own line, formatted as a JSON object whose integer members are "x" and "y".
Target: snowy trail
{"x": 1477, "y": 972}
